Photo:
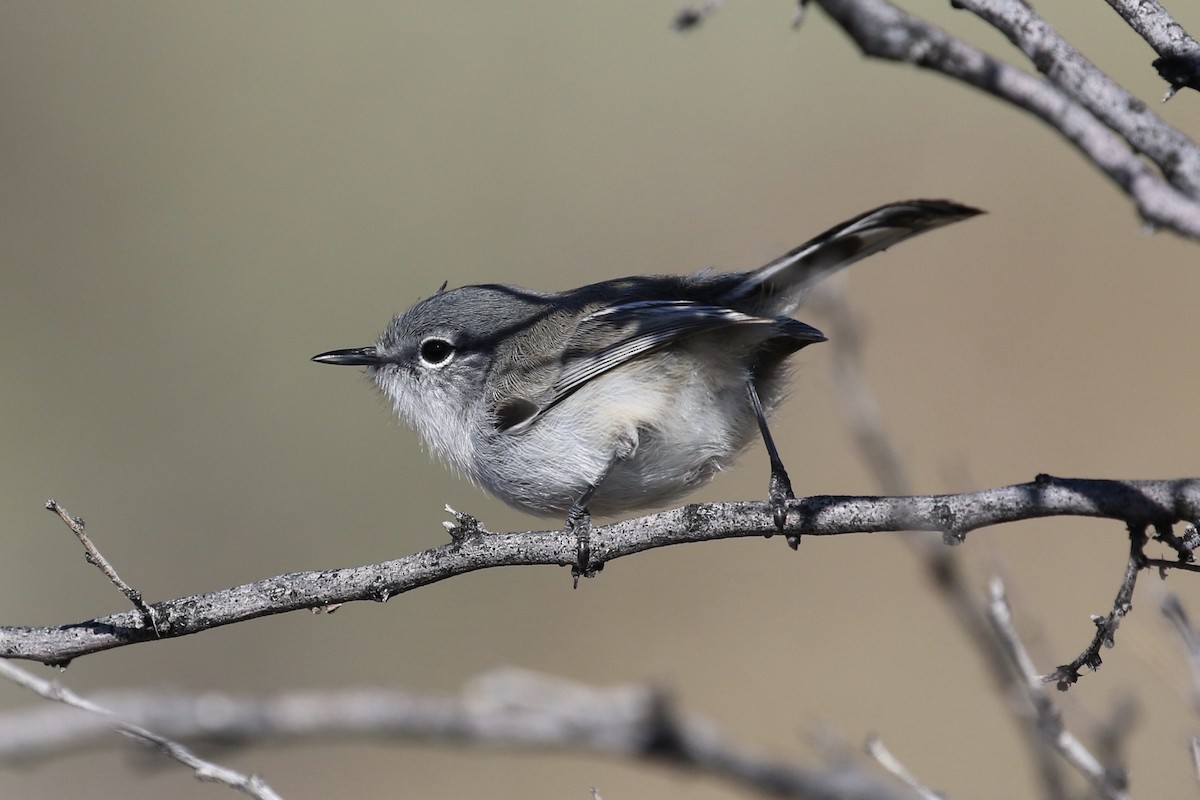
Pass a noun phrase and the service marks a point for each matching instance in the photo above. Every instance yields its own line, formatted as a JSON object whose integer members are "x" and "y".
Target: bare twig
{"x": 1173, "y": 610}
{"x": 876, "y": 749}
{"x": 1159, "y": 503}
{"x": 94, "y": 557}
{"x": 204, "y": 770}
{"x": 1163, "y": 564}
{"x": 1109, "y": 783}
{"x": 1106, "y": 627}
{"x": 504, "y": 709}
{"x": 948, "y": 577}
{"x": 1113, "y": 733}
{"x": 855, "y": 399}
{"x": 945, "y": 571}
{"x": 1184, "y": 546}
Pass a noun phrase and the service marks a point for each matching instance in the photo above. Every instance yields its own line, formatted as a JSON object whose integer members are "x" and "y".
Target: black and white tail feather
{"x": 792, "y": 273}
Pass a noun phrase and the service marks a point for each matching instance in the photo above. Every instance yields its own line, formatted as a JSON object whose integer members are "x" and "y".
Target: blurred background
{"x": 197, "y": 197}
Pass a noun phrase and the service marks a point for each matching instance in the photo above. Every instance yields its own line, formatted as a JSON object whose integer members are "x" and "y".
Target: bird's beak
{"x": 354, "y": 357}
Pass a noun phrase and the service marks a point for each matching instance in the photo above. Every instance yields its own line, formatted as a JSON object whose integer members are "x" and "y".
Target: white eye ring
{"x": 436, "y": 352}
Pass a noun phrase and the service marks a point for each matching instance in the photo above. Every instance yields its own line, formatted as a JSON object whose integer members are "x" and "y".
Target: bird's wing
{"x": 617, "y": 334}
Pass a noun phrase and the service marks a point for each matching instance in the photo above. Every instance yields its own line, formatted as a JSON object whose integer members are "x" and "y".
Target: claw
{"x": 579, "y": 522}
{"x": 778, "y": 494}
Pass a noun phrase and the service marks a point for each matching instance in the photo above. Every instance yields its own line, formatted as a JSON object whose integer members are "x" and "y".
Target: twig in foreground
{"x": 204, "y": 770}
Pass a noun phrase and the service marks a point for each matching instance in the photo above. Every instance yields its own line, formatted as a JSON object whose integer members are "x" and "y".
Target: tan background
{"x": 195, "y": 198}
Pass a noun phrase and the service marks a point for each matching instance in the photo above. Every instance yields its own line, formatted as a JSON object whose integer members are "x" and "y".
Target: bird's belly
{"x": 642, "y": 437}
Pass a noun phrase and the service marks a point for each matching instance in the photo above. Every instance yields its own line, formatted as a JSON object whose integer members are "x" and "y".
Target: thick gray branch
{"x": 1157, "y": 503}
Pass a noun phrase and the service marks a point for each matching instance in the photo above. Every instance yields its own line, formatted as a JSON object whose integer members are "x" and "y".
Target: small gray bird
{"x": 619, "y": 395}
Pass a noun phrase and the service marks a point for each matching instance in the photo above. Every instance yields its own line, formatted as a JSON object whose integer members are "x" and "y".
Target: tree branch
{"x": 204, "y": 770}
{"x": 1179, "y": 53}
{"x": 1158, "y": 503}
{"x": 507, "y": 708}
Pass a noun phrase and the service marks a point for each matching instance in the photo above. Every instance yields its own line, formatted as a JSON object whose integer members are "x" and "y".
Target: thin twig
{"x": 1113, "y": 733}
{"x": 96, "y": 559}
{"x": 204, "y": 770}
{"x": 1173, "y": 610}
{"x": 944, "y": 569}
{"x": 1164, "y": 564}
{"x": 948, "y": 577}
{"x": 1109, "y": 783}
{"x": 954, "y": 515}
{"x": 1184, "y": 546}
{"x": 1106, "y": 627}
{"x": 855, "y": 399}
{"x": 876, "y": 749}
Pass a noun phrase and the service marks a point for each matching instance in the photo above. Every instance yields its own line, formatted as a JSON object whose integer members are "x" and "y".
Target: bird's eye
{"x": 435, "y": 352}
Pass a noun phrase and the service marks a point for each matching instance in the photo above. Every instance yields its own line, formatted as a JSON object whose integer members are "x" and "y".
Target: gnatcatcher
{"x": 619, "y": 395}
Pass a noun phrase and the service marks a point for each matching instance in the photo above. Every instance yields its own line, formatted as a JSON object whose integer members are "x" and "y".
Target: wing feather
{"x": 634, "y": 329}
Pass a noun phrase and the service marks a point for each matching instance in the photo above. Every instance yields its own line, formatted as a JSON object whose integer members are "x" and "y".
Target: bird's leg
{"x": 779, "y": 490}
{"x": 579, "y": 519}
{"x": 579, "y": 522}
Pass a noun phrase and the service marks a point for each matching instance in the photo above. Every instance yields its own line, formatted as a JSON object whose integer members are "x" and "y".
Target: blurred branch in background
{"x": 95, "y": 713}
{"x": 991, "y": 627}
{"x": 1108, "y": 125}
{"x": 510, "y": 709}
{"x": 1046, "y": 725}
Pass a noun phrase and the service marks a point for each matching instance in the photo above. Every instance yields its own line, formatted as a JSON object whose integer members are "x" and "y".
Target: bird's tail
{"x": 786, "y": 278}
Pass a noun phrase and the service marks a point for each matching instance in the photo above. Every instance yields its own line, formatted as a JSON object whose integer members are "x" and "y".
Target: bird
{"x": 623, "y": 394}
